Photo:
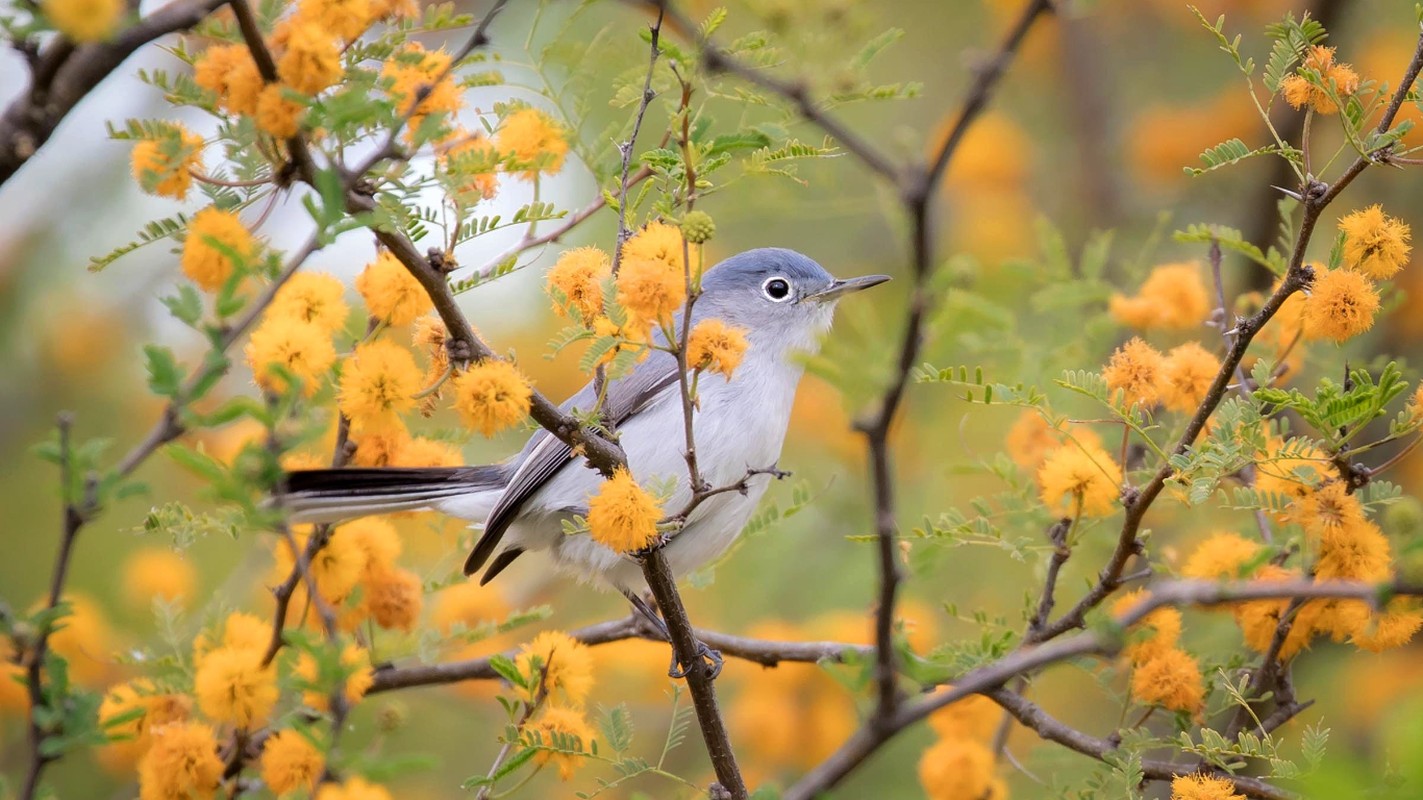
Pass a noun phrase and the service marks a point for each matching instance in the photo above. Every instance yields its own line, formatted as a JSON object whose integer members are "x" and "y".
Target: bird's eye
{"x": 777, "y": 289}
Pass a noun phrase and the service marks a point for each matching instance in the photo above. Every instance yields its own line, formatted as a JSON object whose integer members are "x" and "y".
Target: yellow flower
{"x": 1188, "y": 374}
{"x": 382, "y": 445}
{"x": 1203, "y": 787}
{"x": 959, "y": 769}
{"x": 1136, "y": 370}
{"x": 1357, "y": 551}
{"x": 348, "y": 19}
{"x": 181, "y": 763}
{"x": 352, "y": 789}
{"x": 1171, "y": 679}
{"x": 651, "y": 290}
{"x": 1080, "y": 478}
{"x": 393, "y": 598}
{"x": 229, "y": 72}
{"x": 468, "y": 604}
{"x": 215, "y": 238}
{"x": 336, "y": 568}
{"x": 240, "y": 631}
{"x": 85, "y": 20}
{"x": 578, "y": 275}
{"x": 1222, "y": 555}
{"x": 1391, "y": 629}
{"x": 392, "y": 294}
{"x": 631, "y": 337}
{"x": 162, "y": 166}
{"x": 315, "y": 297}
{"x": 1327, "y": 510}
{"x": 133, "y": 737}
{"x": 414, "y": 68}
{"x": 563, "y": 730}
{"x": 621, "y": 516}
{"x": 974, "y": 717}
{"x": 1173, "y": 297}
{"x": 158, "y": 572}
{"x": 715, "y": 346}
{"x": 355, "y": 666}
{"x": 1164, "y": 623}
{"x": 304, "y": 349}
{"x": 312, "y": 59}
{"x": 659, "y": 242}
{"x": 277, "y": 114}
{"x": 535, "y": 141}
{"x": 491, "y": 395}
{"x": 1341, "y": 305}
{"x": 233, "y": 686}
{"x": 378, "y": 383}
{"x": 559, "y": 664}
{"x": 289, "y": 762}
{"x": 423, "y": 452}
{"x": 376, "y": 538}
{"x": 1375, "y": 243}
{"x": 1258, "y": 619}
{"x": 1299, "y": 92}
{"x": 472, "y": 164}
{"x": 1293, "y": 476}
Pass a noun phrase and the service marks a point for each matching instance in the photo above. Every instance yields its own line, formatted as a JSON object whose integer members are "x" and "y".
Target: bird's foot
{"x": 706, "y": 655}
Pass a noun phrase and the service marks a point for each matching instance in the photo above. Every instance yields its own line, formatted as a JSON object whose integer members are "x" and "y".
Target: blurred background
{"x": 1104, "y": 107}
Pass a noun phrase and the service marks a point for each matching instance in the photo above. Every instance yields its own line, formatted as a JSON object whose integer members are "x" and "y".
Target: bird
{"x": 782, "y": 299}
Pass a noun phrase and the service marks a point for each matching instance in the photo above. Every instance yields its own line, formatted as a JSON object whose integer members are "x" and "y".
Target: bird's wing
{"x": 545, "y": 454}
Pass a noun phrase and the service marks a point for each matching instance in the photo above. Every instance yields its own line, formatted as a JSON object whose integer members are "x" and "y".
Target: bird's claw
{"x": 705, "y": 655}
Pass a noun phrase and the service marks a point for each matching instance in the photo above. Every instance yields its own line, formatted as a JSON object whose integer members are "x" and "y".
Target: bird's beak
{"x": 839, "y": 287}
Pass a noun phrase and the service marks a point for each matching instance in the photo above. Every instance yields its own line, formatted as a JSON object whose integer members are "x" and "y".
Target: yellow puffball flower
{"x": 716, "y": 346}
{"x": 1359, "y": 551}
{"x": 536, "y": 142}
{"x": 157, "y": 572}
{"x": 959, "y": 769}
{"x": 1375, "y": 243}
{"x": 378, "y": 383}
{"x": 1299, "y": 92}
{"x": 382, "y": 445}
{"x": 290, "y": 763}
{"x": 1203, "y": 787}
{"x": 315, "y": 297}
{"x": 651, "y": 290}
{"x": 376, "y": 538}
{"x": 1164, "y": 624}
{"x": 336, "y": 568}
{"x": 1328, "y": 510}
{"x": 277, "y": 114}
{"x": 1187, "y": 375}
{"x": 348, "y": 19}
{"x": 621, "y": 515}
{"x": 355, "y": 665}
{"x": 1341, "y": 305}
{"x": 215, "y": 238}
{"x": 229, "y": 72}
{"x": 85, "y": 20}
{"x": 1080, "y": 478}
{"x": 659, "y": 241}
{"x": 974, "y": 717}
{"x": 1392, "y": 629}
{"x": 312, "y": 59}
{"x": 1137, "y": 371}
{"x": 414, "y": 70}
{"x": 491, "y": 395}
{"x": 559, "y": 665}
{"x": 392, "y": 294}
{"x": 1172, "y": 297}
{"x": 558, "y": 727}
{"x": 468, "y": 604}
{"x": 1171, "y": 679}
{"x": 1221, "y": 556}
{"x": 578, "y": 275}
{"x": 352, "y": 789}
{"x": 472, "y": 164}
{"x": 240, "y": 631}
{"x": 135, "y": 735}
{"x": 1258, "y": 619}
{"x": 163, "y": 166}
{"x": 424, "y": 452}
{"x": 393, "y": 598}
{"x": 304, "y": 349}
{"x": 233, "y": 686}
{"x": 182, "y": 762}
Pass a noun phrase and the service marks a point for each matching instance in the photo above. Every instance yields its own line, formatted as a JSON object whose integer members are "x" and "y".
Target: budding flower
{"x": 698, "y": 227}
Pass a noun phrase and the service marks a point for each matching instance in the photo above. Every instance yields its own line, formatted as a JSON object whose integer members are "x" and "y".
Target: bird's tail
{"x": 333, "y": 495}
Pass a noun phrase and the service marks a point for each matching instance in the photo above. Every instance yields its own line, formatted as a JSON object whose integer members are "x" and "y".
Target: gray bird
{"x": 783, "y": 300}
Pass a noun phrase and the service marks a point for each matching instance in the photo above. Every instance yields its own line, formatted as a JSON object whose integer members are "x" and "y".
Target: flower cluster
{"x": 1320, "y": 82}
{"x": 960, "y": 763}
{"x": 1163, "y": 674}
{"x": 1342, "y": 302}
{"x": 558, "y": 671}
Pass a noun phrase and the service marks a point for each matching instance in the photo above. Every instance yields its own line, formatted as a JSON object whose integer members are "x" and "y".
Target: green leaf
{"x": 508, "y": 670}
{"x": 164, "y": 377}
